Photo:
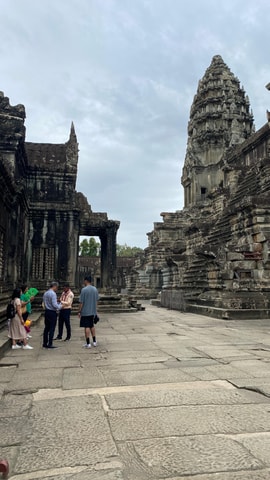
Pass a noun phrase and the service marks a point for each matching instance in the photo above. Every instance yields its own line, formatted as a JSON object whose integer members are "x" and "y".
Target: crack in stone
{"x": 251, "y": 389}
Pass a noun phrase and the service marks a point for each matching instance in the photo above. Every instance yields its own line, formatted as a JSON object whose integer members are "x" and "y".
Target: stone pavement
{"x": 165, "y": 395}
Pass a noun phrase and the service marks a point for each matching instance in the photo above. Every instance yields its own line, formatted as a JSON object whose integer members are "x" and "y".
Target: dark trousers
{"x": 64, "y": 318}
{"x": 50, "y": 324}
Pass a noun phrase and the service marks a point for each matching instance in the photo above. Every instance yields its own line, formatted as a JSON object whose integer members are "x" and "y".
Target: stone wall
{"x": 42, "y": 215}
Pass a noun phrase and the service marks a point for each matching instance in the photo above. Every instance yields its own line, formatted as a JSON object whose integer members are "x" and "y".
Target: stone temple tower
{"x": 213, "y": 257}
{"x": 220, "y": 118}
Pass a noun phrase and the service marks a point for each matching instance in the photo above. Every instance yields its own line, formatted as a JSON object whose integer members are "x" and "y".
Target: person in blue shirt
{"x": 51, "y": 309}
{"x": 88, "y": 310}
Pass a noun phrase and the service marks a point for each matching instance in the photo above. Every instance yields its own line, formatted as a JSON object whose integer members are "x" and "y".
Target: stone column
{"x": 108, "y": 255}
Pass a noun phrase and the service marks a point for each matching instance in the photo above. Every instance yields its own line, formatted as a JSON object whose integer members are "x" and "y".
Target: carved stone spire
{"x": 72, "y": 147}
{"x": 219, "y": 119}
{"x": 72, "y": 132}
{"x": 219, "y": 116}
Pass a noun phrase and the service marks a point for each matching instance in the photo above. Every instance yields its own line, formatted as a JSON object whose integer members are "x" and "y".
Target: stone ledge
{"x": 227, "y": 313}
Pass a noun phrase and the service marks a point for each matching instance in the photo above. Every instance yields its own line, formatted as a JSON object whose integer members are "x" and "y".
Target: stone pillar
{"x": 108, "y": 255}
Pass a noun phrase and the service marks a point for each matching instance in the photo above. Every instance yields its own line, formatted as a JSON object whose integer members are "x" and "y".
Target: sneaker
{"x": 87, "y": 345}
{"x": 95, "y": 344}
{"x": 29, "y": 336}
{"x": 51, "y": 346}
{"x": 58, "y": 338}
{"x": 67, "y": 340}
{"x": 14, "y": 347}
{"x": 27, "y": 347}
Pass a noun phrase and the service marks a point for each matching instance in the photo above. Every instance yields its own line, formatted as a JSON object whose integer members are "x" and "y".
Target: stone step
{"x": 228, "y": 314}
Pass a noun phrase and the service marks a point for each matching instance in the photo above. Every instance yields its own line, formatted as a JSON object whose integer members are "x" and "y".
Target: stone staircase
{"x": 108, "y": 303}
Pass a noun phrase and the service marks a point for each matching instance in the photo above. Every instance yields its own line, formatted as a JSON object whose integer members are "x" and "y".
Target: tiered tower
{"x": 213, "y": 256}
{"x": 220, "y": 118}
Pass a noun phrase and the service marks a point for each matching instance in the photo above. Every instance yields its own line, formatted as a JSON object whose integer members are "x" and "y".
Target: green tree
{"x": 89, "y": 248}
{"x": 127, "y": 251}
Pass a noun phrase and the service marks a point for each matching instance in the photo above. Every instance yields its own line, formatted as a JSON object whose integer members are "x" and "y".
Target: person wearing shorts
{"x": 88, "y": 310}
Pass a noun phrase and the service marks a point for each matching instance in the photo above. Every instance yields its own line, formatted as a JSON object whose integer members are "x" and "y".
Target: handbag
{"x": 96, "y": 319}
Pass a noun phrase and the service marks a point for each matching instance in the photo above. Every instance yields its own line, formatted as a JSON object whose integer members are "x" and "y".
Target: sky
{"x": 125, "y": 72}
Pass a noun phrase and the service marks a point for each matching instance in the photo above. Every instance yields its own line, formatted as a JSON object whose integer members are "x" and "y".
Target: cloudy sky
{"x": 125, "y": 72}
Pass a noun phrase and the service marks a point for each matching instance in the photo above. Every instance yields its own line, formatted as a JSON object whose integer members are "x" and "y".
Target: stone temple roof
{"x": 44, "y": 155}
{"x": 54, "y": 157}
{"x": 219, "y": 115}
{"x": 50, "y": 157}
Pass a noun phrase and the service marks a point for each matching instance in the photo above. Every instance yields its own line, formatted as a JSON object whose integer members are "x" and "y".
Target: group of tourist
{"x": 87, "y": 312}
{"x": 54, "y": 310}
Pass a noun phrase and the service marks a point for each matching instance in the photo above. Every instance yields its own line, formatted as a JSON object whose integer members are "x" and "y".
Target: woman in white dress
{"x": 16, "y": 324}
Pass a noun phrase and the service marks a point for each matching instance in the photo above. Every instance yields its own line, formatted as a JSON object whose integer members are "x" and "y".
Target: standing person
{"x": 26, "y": 307}
{"x": 51, "y": 307}
{"x": 16, "y": 324}
{"x": 66, "y": 300}
{"x": 87, "y": 310}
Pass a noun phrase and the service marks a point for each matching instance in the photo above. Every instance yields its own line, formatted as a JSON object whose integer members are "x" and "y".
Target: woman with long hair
{"x": 26, "y": 309}
{"x": 16, "y": 324}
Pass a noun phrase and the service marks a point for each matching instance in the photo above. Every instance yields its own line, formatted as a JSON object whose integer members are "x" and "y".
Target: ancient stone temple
{"x": 42, "y": 214}
{"x": 212, "y": 257}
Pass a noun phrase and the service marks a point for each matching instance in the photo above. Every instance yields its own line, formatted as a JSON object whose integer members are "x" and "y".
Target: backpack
{"x": 11, "y": 310}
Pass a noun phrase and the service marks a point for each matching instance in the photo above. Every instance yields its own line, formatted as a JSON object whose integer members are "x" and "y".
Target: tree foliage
{"x": 91, "y": 248}
{"x": 127, "y": 251}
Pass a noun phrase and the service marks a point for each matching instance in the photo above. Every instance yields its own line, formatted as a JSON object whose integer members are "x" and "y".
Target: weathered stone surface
{"x": 146, "y": 376}
{"x": 255, "y": 368}
{"x": 256, "y": 384}
{"x": 257, "y": 444}
{"x": 82, "y": 378}
{"x": 15, "y": 405}
{"x": 158, "y": 458}
{"x": 6, "y": 374}
{"x": 244, "y": 475}
{"x": 72, "y": 473}
{"x": 51, "y": 456}
{"x": 13, "y": 430}
{"x": 48, "y": 364}
{"x": 23, "y": 381}
{"x": 133, "y": 366}
{"x": 179, "y": 421}
{"x": 74, "y": 428}
{"x": 200, "y": 394}
{"x": 146, "y": 423}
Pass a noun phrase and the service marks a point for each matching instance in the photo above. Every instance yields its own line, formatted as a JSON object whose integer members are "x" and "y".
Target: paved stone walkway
{"x": 165, "y": 395}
